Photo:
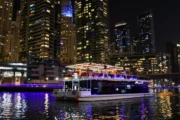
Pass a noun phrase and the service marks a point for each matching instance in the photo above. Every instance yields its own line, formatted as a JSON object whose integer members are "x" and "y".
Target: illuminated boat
{"x": 98, "y": 88}
{"x": 103, "y": 86}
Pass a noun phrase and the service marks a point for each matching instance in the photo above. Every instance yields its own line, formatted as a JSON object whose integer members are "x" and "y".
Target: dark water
{"x": 43, "y": 106}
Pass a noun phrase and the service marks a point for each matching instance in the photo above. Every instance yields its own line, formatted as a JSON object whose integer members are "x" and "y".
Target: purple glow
{"x": 131, "y": 78}
{"x": 121, "y": 77}
{"x": 96, "y": 76}
{"x": 33, "y": 85}
{"x": 115, "y": 76}
{"x": 61, "y": 43}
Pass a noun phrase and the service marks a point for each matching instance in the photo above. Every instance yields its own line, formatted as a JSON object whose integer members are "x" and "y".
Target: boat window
{"x": 117, "y": 87}
{"x": 68, "y": 85}
{"x": 84, "y": 85}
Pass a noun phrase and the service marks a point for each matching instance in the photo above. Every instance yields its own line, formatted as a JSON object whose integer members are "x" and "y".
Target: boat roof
{"x": 94, "y": 67}
{"x": 101, "y": 78}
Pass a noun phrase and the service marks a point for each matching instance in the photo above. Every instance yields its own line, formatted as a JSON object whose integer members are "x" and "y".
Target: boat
{"x": 97, "y": 82}
{"x": 99, "y": 88}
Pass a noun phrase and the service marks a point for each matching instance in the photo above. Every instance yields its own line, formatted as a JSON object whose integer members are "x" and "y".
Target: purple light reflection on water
{"x": 43, "y": 106}
{"x": 17, "y": 105}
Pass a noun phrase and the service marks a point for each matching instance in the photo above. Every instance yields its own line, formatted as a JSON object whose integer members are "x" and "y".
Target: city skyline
{"x": 91, "y": 20}
{"x": 164, "y": 17}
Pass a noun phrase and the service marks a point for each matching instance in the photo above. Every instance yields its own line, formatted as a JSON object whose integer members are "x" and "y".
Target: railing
{"x": 72, "y": 90}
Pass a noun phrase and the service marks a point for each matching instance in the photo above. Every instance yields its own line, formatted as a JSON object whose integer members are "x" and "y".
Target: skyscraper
{"x": 174, "y": 50}
{"x": 14, "y": 44}
{"x": 122, "y": 37}
{"x": 39, "y": 34}
{"x": 67, "y": 48}
{"x": 91, "y": 20}
{"x": 6, "y": 11}
{"x": 146, "y": 38}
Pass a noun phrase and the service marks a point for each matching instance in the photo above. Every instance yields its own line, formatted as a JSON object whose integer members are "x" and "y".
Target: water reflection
{"x": 6, "y": 106}
{"x": 46, "y": 104}
{"x": 165, "y": 106}
{"x": 38, "y": 106}
{"x": 19, "y": 106}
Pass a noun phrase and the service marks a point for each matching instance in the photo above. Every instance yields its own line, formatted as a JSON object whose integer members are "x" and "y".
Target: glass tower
{"x": 91, "y": 20}
{"x": 145, "y": 43}
{"x": 122, "y": 37}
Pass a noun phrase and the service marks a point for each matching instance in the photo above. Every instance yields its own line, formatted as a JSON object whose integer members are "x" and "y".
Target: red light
{"x": 76, "y": 99}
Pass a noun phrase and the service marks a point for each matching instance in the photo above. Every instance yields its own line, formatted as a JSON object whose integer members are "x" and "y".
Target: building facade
{"x": 42, "y": 69}
{"x": 6, "y": 13}
{"x": 92, "y": 31}
{"x": 40, "y": 29}
{"x": 145, "y": 41}
{"x": 9, "y": 72}
{"x": 143, "y": 64}
{"x": 122, "y": 37}
{"x": 174, "y": 50}
{"x": 11, "y": 51}
{"x": 67, "y": 48}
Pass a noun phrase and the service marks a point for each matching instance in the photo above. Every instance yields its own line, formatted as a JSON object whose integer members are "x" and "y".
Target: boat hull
{"x": 82, "y": 98}
{"x": 113, "y": 97}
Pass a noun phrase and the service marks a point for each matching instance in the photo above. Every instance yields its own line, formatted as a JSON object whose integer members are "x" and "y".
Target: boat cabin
{"x": 106, "y": 85}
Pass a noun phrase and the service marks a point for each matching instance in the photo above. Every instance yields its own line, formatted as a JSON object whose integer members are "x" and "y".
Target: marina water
{"x": 43, "y": 106}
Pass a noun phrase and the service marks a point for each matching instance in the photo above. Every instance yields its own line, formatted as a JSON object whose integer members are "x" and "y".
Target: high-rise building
{"x": 15, "y": 40}
{"x": 145, "y": 42}
{"x": 11, "y": 49}
{"x": 6, "y": 11}
{"x": 122, "y": 37}
{"x": 91, "y": 20}
{"x": 174, "y": 50}
{"x": 40, "y": 29}
{"x": 67, "y": 48}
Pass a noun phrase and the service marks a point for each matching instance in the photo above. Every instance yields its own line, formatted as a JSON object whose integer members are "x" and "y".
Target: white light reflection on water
{"x": 12, "y": 106}
{"x": 46, "y": 104}
{"x": 6, "y": 106}
{"x": 20, "y": 105}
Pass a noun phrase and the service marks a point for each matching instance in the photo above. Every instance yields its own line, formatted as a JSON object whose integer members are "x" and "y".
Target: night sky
{"x": 166, "y": 17}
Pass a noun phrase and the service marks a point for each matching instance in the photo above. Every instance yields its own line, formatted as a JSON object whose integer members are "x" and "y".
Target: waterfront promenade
{"x": 36, "y": 87}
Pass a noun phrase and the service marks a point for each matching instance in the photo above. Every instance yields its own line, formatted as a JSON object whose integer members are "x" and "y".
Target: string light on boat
{"x": 66, "y": 78}
{"x": 75, "y": 75}
{"x": 139, "y": 82}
